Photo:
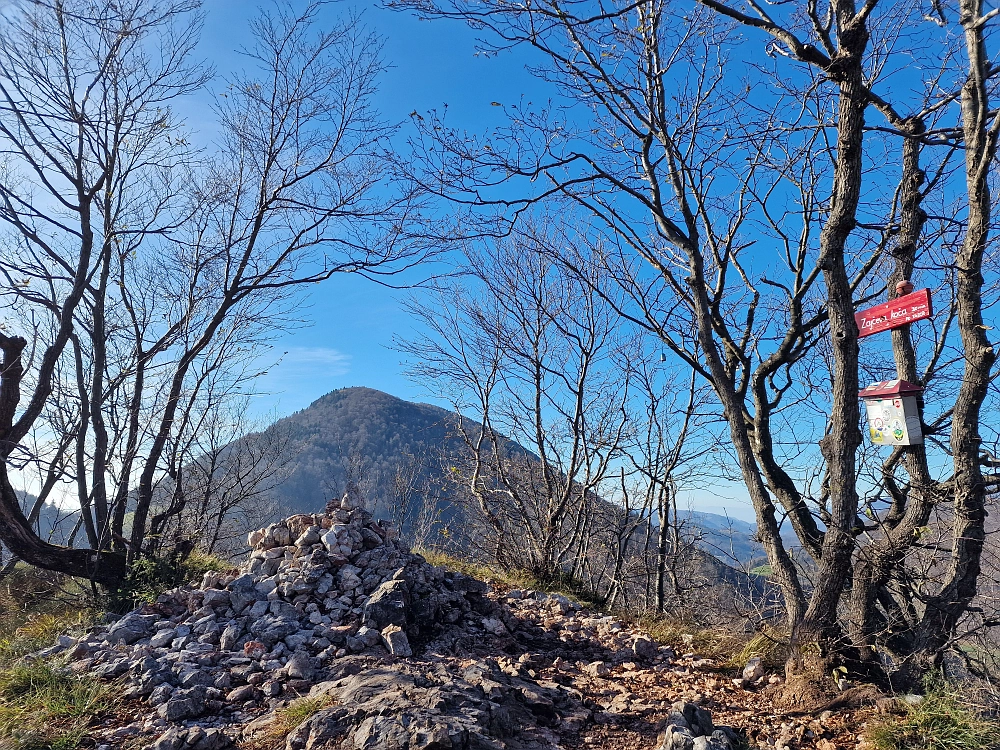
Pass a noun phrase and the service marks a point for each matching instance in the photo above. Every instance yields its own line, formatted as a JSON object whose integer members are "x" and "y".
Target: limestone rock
{"x": 690, "y": 727}
{"x": 753, "y": 670}
{"x": 177, "y": 709}
{"x": 396, "y": 641}
{"x": 644, "y": 649}
{"x": 300, "y": 666}
{"x": 387, "y": 605}
{"x": 195, "y": 738}
{"x": 597, "y": 669}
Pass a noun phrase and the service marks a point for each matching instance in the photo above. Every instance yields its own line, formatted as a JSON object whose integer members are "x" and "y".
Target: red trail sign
{"x": 895, "y": 313}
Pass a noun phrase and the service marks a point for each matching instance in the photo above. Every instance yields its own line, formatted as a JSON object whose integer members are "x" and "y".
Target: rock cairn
{"x": 315, "y": 589}
{"x": 389, "y": 652}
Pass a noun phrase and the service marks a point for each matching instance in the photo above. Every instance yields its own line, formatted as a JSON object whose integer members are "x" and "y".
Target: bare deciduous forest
{"x": 627, "y": 296}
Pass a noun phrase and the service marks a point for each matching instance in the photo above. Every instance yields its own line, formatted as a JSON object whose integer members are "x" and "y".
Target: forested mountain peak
{"x": 357, "y": 435}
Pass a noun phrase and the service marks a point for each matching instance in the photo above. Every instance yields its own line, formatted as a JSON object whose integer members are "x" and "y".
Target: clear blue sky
{"x": 351, "y": 321}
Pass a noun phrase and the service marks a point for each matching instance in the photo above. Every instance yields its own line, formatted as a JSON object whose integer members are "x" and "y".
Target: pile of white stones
{"x": 315, "y": 588}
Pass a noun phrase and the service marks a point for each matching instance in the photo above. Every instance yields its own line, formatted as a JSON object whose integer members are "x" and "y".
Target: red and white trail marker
{"x": 895, "y": 313}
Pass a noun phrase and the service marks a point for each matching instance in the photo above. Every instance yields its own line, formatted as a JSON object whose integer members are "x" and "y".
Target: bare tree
{"x": 745, "y": 218}
{"x": 671, "y": 439}
{"x": 534, "y": 353}
{"x": 144, "y": 277}
{"x": 217, "y": 484}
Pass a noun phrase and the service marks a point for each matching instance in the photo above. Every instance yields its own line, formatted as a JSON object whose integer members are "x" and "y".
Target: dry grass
{"x": 944, "y": 720}
{"x": 41, "y": 708}
{"x": 504, "y": 580}
{"x": 731, "y": 648}
{"x": 35, "y": 607}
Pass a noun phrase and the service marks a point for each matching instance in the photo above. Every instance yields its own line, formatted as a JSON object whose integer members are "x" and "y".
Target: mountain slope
{"x": 356, "y": 435}
{"x": 365, "y": 436}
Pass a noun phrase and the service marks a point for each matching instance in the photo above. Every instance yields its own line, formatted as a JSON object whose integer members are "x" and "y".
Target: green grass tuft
{"x": 942, "y": 721}
{"x": 285, "y": 720}
{"x": 298, "y": 711}
{"x": 41, "y": 708}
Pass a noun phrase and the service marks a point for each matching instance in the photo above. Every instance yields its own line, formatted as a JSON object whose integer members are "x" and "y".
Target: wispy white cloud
{"x": 320, "y": 360}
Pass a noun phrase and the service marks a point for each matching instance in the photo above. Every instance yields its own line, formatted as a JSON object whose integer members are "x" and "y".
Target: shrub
{"x": 151, "y": 576}
{"x": 943, "y": 720}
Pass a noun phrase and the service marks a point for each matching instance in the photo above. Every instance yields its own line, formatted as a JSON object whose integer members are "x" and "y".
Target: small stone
{"x": 597, "y": 669}
{"x": 396, "y": 641}
{"x": 242, "y": 694}
{"x": 216, "y": 598}
{"x": 300, "y": 666}
{"x": 645, "y": 649}
{"x": 162, "y": 639}
{"x": 271, "y": 689}
{"x": 309, "y": 537}
{"x": 494, "y": 625}
{"x": 172, "y": 739}
{"x": 753, "y": 670}
{"x": 160, "y": 695}
{"x": 282, "y": 536}
{"x": 177, "y": 709}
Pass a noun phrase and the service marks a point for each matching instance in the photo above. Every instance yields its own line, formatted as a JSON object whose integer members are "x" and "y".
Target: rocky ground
{"x": 333, "y": 635}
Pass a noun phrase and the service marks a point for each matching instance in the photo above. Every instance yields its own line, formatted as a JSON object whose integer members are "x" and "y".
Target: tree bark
{"x": 101, "y": 567}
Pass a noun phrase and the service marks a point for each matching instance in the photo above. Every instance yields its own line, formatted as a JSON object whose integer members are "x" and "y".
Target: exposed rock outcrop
{"x": 333, "y": 607}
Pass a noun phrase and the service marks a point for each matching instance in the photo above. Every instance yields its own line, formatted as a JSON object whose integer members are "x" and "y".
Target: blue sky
{"x": 351, "y": 322}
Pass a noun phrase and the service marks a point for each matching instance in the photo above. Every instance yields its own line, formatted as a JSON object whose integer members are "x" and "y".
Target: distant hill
{"x": 358, "y": 435}
{"x": 365, "y": 436}
{"x": 729, "y": 539}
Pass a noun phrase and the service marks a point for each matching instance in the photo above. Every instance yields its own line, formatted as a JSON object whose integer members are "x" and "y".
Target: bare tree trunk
{"x": 877, "y": 562}
{"x": 980, "y": 128}
{"x": 15, "y": 531}
{"x": 840, "y": 445}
